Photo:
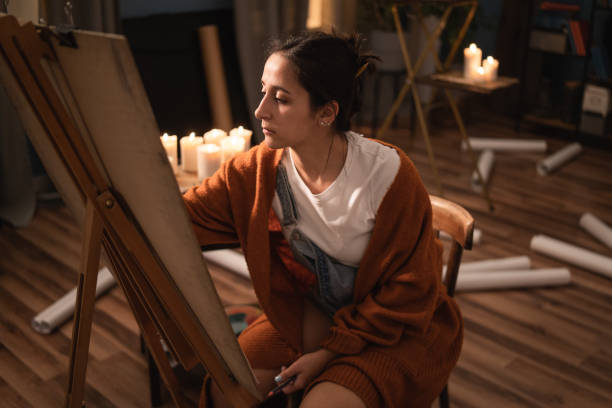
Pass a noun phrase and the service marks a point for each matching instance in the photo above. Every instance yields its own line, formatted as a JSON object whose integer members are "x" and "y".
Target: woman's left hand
{"x": 305, "y": 368}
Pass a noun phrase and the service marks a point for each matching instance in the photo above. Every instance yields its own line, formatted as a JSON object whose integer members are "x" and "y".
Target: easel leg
{"x": 83, "y": 313}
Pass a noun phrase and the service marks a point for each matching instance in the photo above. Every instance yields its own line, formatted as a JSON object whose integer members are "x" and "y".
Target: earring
{"x": 323, "y": 123}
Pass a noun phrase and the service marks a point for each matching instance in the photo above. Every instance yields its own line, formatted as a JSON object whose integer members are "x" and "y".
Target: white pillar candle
{"x": 169, "y": 143}
{"x": 597, "y": 228}
{"x": 560, "y": 157}
{"x": 209, "y": 160}
{"x": 472, "y": 57}
{"x": 513, "y": 279}
{"x": 231, "y": 146}
{"x": 490, "y": 66}
{"x": 485, "y": 165}
{"x": 214, "y": 136}
{"x": 482, "y": 143}
{"x": 189, "y": 160}
{"x": 572, "y": 254}
{"x": 243, "y": 133}
{"x": 479, "y": 75}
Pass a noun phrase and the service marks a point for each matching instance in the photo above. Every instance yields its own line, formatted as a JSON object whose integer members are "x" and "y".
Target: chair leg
{"x": 443, "y": 398}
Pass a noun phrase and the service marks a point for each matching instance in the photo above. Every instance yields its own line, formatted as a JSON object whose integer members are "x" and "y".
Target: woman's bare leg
{"x": 330, "y": 395}
{"x": 316, "y": 326}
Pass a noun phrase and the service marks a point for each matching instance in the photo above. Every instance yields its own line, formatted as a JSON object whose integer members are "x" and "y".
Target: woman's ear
{"x": 327, "y": 113}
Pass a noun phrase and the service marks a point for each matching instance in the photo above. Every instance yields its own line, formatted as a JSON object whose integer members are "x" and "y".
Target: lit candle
{"x": 479, "y": 76}
{"x": 472, "y": 57}
{"x": 490, "y": 66}
{"x": 189, "y": 161}
{"x": 209, "y": 160}
{"x": 231, "y": 146}
{"x": 214, "y": 136}
{"x": 243, "y": 133}
{"x": 169, "y": 143}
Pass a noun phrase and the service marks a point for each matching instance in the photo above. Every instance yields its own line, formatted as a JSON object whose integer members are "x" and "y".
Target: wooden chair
{"x": 454, "y": 220}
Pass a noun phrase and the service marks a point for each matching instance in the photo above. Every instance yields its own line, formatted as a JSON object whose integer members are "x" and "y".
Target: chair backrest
{"x": 457, "y": 222}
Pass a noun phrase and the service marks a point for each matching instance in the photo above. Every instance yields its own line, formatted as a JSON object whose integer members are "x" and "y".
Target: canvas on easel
{"x": 88, "y": 116}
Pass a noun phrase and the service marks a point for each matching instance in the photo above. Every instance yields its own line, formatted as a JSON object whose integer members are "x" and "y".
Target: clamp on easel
{"x": 63, "y": 32}
{"x": 411, "y": 79}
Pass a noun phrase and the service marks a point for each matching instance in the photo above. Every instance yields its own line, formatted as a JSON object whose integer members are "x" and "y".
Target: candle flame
{"x": 472, "y": 47}
{"x": 165, "y": 136}
{"x": 490, "y": 59}
{"x": 480, "y": 70}
{"x": 192, "y": 135}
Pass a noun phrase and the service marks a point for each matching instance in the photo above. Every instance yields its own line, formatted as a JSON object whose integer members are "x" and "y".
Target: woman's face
{"x": 286, "y": 117}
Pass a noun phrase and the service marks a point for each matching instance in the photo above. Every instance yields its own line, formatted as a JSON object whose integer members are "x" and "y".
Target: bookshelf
{"x": 559, "y": 62}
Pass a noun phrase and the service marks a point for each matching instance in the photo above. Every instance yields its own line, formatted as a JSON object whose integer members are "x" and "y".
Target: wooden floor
{"x": 523, "y": 348}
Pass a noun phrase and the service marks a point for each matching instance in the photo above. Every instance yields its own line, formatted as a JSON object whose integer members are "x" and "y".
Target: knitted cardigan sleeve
{"x": 208, "y": 205}
{"x": 398, "y": 284}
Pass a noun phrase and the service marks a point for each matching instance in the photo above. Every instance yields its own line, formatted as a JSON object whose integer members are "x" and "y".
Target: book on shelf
{"x": 559, "y": 6}
{"x": 576, "y": 35}
{"x": 543, "y": 39}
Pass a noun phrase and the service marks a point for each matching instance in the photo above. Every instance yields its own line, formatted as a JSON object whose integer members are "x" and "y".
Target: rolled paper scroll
{"x": 572, "y": 254}
{"x": 476, "y": 236}
{"x": 597, "y": 228}
{"x": 62, "y": 309}
{"x": 560, "y": 157}
{"x": 517, "y": 145}
{"x": 229, "y": 259}
{"x": 212, "y": 60}
{"x": 485, "y": 165}
{"x": 513, "y": 279}
{"x": 513, "y": 263}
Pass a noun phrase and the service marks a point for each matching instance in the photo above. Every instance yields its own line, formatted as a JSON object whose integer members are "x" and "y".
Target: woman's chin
{"x": 272, "y": 143}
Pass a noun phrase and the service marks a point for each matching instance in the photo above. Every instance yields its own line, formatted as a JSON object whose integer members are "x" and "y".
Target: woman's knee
{"x": 329, "y": 394}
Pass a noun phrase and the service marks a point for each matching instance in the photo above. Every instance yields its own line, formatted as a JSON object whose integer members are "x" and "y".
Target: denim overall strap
{"x": 285, "y": 195}
{"x": 335, "y": 280}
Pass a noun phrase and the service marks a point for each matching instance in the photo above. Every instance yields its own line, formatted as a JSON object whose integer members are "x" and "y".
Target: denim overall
{"x": 335, "y": 280}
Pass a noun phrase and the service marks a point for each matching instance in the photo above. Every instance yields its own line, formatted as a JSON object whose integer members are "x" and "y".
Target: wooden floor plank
{"x": 523, "y": 348}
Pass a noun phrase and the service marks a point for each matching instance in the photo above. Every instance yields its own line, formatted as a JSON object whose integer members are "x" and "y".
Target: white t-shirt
{"x": 340, "y": 219}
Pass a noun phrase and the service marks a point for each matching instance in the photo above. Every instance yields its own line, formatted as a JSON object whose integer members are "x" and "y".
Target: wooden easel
{"x": 31, "y": 70}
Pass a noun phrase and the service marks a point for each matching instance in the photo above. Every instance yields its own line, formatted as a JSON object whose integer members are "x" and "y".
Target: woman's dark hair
{"x": 327, "y": 66}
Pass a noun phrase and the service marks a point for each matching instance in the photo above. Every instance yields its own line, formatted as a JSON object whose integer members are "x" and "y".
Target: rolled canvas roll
{"x": 476, "y": 236}
{"x": 513, "y": 279}
{"x": 560, "y": 157}
{"x": 513, "y": 263}
{"x": 485, "y": 165}
{"x": 597, "y": 228}
{"x": 62, "y": 309}
{"x": 519, "y": 145}
{"x": 572, "y": 254}
{"x": 228, "y": 259}
{"x": 218, "y": 94}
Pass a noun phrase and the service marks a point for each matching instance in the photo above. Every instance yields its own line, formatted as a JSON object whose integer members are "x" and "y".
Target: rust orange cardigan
{"x": 400, "y": 307}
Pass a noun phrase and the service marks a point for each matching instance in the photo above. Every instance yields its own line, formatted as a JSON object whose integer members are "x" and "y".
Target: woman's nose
{"x": 260, "y": 111}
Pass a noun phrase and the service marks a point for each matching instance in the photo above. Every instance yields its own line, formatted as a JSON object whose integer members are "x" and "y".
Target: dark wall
{"x": 167, "y": 53}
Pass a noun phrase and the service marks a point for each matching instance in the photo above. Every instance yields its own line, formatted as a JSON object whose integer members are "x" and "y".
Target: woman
{"x": 337, "y": 233}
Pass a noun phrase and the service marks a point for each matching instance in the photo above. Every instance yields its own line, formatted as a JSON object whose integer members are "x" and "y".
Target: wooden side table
{"x": 443, "y": 79}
